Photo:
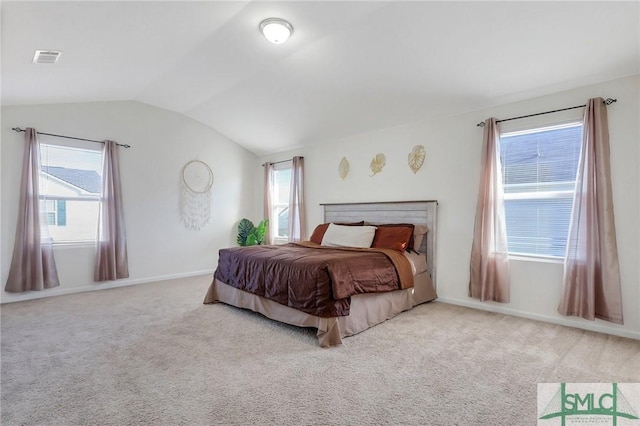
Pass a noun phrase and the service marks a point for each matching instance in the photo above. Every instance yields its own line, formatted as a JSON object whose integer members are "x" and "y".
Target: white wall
{"x": 450, "y": 175}
{"x": 159, "y": 245}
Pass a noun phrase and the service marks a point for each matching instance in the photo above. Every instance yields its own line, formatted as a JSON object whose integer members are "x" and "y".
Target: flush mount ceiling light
{"x": 276, "y": 30}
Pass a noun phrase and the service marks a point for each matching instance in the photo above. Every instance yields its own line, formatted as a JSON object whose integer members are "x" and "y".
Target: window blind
{"x": 539, "y": 172}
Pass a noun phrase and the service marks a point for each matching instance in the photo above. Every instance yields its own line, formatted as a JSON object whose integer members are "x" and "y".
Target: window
{"x": 281, "y": 188}
{"x": 539, "y": 171}
{"x": 56, "y": 212}
{"x": 70, "y": 188}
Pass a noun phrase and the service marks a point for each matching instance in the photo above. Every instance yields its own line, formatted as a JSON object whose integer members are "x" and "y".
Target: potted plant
{"x": 251, "y": 235}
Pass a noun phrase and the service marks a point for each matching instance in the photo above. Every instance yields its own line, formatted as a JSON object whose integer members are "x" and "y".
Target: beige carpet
{"x": 154, "y": 355}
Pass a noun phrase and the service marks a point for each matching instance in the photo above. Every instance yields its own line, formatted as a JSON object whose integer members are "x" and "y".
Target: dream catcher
{"x": 197, "y": 180}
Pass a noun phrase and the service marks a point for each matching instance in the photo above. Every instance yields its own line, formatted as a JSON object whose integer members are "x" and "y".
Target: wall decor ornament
{"x": 416, "y": 158}
{"x": 343, "y": 168}
{"x": 378, "y": 163}
{"x": 197, "y": 180}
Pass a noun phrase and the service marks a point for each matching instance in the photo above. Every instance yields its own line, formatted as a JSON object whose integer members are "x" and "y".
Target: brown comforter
{"x": 313, "y": 279}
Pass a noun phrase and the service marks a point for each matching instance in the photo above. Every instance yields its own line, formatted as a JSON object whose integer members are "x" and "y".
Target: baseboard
{"x": 587, "y": 325}
{"x": 58, "y": 291}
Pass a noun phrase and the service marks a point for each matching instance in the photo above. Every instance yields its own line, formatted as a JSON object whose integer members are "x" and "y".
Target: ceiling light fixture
{"x": 276, "y": 30}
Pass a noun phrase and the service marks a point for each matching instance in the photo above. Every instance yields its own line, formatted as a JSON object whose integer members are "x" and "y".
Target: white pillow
{"x": 348, "y": 236}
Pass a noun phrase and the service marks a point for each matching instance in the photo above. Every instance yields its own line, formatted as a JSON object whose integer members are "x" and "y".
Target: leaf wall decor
{"x": 343, "y": 168}
{"x": 416, "y": 158}
{"x": 378, "y": 163}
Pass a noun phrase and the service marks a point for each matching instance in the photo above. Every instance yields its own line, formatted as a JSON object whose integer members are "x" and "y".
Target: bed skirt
{"x": 366, "y": 310}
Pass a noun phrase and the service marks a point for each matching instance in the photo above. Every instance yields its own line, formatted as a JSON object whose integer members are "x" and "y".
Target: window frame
{"x": 46, "y": 142}
{"x": 55, "y": 212}
{"x": 538, "y": 195}
{"x": 275, "y": 205}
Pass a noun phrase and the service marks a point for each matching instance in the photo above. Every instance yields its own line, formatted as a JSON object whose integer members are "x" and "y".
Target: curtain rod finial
{"x": 609, "y": 101}
{"x": 481, "y": 124}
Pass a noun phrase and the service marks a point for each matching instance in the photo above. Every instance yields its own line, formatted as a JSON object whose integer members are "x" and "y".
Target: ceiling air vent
{"x": 46, "y": 56}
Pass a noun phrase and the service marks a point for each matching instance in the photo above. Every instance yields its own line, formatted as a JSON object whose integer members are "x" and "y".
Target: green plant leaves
{"x": 251, "y": 235}
{"x": 260, "y": 231}
{"x": 245, "y": 228}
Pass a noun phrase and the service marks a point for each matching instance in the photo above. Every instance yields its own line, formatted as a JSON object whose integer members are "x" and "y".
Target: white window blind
{"x": 539, "y": 172}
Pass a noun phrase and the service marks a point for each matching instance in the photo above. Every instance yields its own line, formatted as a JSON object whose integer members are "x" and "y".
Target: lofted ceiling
{"x": 350, "y": 66}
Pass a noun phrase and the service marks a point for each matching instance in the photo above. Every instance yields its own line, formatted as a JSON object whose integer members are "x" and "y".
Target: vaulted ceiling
{"x": 350, "y": 67}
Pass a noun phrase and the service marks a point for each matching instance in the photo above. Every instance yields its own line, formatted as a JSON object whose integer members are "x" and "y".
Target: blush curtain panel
{"x": 297, "y": 220}
{"x": 32, "y": 266}
{"x": 111, "y": 254}
{"x": 591, "y": 282}
{"x": 489, "y": 275}
{"x": 268, "y": 196}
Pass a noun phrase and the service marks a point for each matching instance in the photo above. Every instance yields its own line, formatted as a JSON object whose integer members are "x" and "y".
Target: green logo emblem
{"x": 589, "y": 400}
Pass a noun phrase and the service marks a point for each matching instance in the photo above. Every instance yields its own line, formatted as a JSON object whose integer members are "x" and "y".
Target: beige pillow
{"x": 419, "y": 231}
{"x": 348, "y": 236}
{"x": 318, "y": 233}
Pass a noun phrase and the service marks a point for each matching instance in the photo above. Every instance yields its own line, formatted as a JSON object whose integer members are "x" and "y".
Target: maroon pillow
{"x": 409, "y": 245}
{"x": 393, "y": 237}
{"x": 318, "y": 233}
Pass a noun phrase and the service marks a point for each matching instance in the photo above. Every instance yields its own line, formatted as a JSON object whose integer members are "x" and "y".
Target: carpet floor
{"x": 153, "y": 354}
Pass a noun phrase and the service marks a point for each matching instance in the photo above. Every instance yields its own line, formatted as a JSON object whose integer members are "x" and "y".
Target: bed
{"x": 364, "y": 310}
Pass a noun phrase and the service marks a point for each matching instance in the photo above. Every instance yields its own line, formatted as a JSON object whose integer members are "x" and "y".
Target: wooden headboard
{"x": 416, "y": 212}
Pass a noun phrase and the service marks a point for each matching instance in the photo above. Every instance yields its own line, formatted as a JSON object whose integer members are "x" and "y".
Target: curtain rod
{"x": 18, "y": 129}
{"x": 607, "y": 101}
{"x": 276, "y": 162}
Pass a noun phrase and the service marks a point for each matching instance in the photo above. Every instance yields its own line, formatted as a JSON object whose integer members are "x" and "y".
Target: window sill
{"x": 74, "y": 244}
{"x": 537, "y": 259}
